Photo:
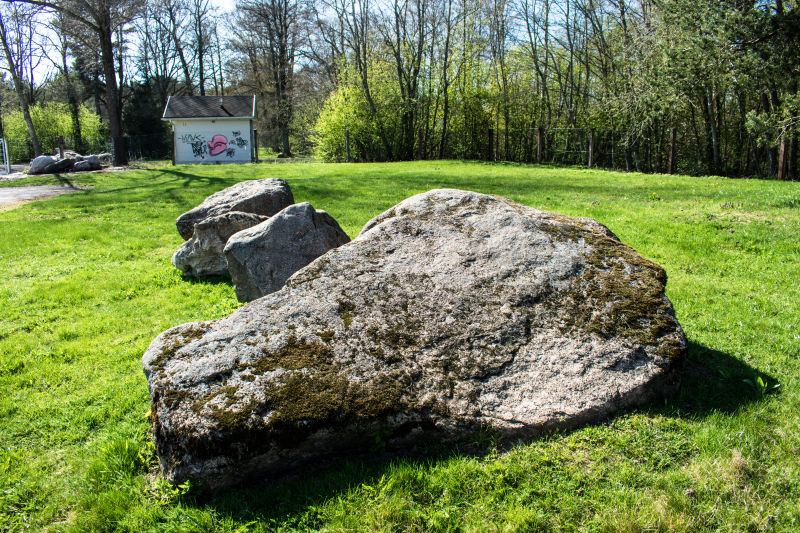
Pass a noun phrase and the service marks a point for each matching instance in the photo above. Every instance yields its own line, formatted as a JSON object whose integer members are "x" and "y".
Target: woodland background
{"x": 687, "y": 86}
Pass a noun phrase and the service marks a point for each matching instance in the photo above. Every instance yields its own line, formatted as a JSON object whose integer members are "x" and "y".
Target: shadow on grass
{"x": 63, "y": 180}
{"x": 183, "y": 179}
{"x": 224, "y": 279}
{"x": 294, "y": 499}
{"x": 712, "y": 381}
{"x": 716, "y": 382}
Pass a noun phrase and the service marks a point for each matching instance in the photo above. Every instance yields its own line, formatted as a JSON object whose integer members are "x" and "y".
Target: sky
{"x": 225, "y": 5}
{"x": 45, "y": 70}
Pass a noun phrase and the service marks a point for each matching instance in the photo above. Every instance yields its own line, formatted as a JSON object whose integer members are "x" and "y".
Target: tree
{"x": 271, "y": 33}
{"x": 17, "y": 23}
{"x": 61, "y": 44}
{"x": 103, "y": 18}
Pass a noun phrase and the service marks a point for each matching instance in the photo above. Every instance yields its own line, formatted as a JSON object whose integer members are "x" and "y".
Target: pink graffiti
{"x": 217, "y": 145}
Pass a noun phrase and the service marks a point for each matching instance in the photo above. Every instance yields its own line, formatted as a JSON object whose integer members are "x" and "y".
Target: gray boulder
{"x": 450, "y": 312}
{"x": 87, "y": 163}
{"x": 39, "y": 164}
{"x": 59, "y": 165}
{"x": 262, "y": 258}
{"x": 202, "y": 254}
{"x": 261, "y": 197}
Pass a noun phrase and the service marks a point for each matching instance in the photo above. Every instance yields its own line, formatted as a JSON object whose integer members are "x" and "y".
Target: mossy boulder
{"x": 261, "y": 258}
{"x": 261, "y": 197}
{"x": 450, "y": 313}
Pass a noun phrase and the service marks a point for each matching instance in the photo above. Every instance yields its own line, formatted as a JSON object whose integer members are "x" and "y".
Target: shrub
{"x": 49, "y": 120}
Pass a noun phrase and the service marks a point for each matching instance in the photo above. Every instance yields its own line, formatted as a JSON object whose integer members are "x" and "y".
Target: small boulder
{"x": 105, "y": 158}
{"x": 261, "y": 197}
{"x": 202, "y": 255}
{"x": 59, "y": 165}
{"x": 262, "y": 258}
{"x": 451, "y": 313}
{"x": 39, "y": 164}
{"x": 86, "y": 164}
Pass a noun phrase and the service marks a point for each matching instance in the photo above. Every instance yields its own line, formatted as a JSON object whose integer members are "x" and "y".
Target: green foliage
{"x": 49, "y": 121}
{"x": 84, "y": 295}
{"x": 344, "y": 110}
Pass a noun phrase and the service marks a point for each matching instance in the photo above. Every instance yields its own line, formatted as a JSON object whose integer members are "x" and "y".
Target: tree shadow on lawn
{"x": 183, "y": 179}
{"x": 63, "y": 180}
{"x": 712, "y": 381}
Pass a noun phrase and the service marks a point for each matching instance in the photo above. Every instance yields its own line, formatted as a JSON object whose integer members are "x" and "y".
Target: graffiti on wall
{"x": 217, "y": 146}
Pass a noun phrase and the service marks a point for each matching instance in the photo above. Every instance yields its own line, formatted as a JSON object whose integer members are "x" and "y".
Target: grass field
{"x": 86, "y": 283}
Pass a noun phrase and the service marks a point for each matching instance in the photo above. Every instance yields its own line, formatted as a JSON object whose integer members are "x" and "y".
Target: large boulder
{"x": 450, "y": 312}
{"x": 39, "y": 164}
{"x": 261, "y": 197}
{"x": 262, "y": 258}
{"x": 202, "y": 255}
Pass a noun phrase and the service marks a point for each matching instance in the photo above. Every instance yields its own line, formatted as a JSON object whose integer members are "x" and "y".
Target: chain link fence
{"x": 139, "y": 147}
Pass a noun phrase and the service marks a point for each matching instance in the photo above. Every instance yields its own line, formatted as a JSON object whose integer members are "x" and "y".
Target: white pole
{"x": 5, "y": 156}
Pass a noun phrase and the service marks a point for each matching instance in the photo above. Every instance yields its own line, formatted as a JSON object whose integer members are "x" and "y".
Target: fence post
{"x": 591, "y": 148}
{"x": 782, "y": 158}
{"x": 671, "y": 160}
{"x": 347, "y": 144}
{"x": 61, "y": 146}
{"x": 491, "y": 144}
{"x": 5, "y": 156}
{"x": 539, "y": 141}
{"x": 255, "y": 145}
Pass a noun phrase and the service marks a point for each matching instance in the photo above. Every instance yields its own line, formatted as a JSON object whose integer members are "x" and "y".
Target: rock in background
{"x": 450, "y": 312}
{"x": 261, "y": 197}
{"x": 202, "y": 255}
{"x": 84, "y": 164}
{"x": 71, "y": 162}
{"x": 262, "y": 258}
{"x": 39, "y": 164}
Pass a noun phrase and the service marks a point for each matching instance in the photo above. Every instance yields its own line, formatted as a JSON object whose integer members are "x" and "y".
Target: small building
{"x": 211, "y": 129}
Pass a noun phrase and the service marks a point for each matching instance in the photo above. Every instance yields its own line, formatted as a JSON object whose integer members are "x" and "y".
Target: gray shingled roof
{"x": 240, "y": 106}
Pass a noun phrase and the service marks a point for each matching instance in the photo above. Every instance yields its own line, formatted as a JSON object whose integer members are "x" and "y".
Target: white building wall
{"x": 212, "y": 141}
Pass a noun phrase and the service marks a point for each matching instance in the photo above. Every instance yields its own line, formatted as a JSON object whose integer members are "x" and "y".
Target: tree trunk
{"x": 771, "y": 151}
{"x": 120, "y": 153}
{"x": 712, "y": 121}
{"x": 782, "y": 153}
{"x": 19, "y": 89}
{"x": 671, "y": 161}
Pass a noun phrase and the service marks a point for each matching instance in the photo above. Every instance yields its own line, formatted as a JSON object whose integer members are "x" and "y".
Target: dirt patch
{"x": 11, "y": 197}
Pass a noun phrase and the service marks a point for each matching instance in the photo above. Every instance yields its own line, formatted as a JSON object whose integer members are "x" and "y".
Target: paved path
{"x": 10, "y": 196}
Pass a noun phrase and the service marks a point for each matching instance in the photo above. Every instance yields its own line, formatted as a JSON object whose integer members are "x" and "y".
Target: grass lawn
{"x": 86, "y": 283}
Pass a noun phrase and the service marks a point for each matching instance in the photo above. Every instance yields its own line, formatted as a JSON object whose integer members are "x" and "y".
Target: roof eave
{"x": 209, "y": 118}
{"x": 163, "y": 115}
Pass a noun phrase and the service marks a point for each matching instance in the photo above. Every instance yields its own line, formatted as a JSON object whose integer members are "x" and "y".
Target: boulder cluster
{"x": 451, "y": 313}
{"x": 256, "y": 232}
{"x": 70, "y": 162}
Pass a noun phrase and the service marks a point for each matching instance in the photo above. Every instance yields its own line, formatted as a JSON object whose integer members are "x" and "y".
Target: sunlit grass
{"x": 86, "y": 284}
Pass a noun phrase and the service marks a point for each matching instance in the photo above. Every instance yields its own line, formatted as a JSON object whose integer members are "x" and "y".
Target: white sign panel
{"x": 212, "y": 141}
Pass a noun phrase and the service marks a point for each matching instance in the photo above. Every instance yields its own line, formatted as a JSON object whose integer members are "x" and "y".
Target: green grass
{"x": 86, "y": 284}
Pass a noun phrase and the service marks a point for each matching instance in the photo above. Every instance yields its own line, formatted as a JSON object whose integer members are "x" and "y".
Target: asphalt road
{"x": 10, "y": 196}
